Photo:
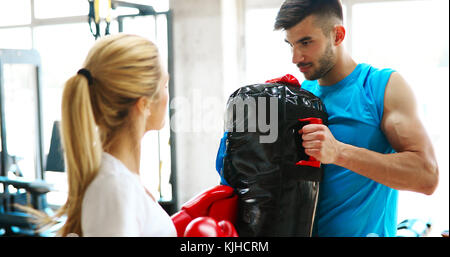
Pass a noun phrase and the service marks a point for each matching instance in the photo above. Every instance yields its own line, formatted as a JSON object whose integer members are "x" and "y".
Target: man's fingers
{"x": 311, "y": 128}
{"x": 318, "y": 135}
{"x": 313, "y": 152}
{"x": 315, "y": 144}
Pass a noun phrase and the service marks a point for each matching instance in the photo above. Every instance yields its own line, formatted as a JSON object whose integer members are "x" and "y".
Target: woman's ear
{"x": 143, "y": 106}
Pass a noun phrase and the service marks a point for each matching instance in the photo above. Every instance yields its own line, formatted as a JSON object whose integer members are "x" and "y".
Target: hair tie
{"x": 87, "y": 74}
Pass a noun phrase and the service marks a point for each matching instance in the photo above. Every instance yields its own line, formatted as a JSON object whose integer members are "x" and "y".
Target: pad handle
{"x": 311, "y": 161}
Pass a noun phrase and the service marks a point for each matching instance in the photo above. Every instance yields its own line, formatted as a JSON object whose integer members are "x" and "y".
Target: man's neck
{"x": 343, "y": 67}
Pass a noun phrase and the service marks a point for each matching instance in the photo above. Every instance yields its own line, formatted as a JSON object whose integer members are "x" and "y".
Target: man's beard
{"x": 326, "y": 63}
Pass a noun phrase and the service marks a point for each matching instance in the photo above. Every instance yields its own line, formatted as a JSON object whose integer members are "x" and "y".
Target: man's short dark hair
{"x": 293, "y": 12}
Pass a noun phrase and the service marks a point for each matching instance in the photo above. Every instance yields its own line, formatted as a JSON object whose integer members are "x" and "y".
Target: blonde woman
{"x": 107, "y": 107}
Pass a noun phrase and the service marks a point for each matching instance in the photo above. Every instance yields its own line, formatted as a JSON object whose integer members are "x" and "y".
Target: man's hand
{"x": 320, "y": 143}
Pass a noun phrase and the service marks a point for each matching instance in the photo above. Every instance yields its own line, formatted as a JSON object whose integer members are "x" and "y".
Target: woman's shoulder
{"x": 112, "y": 181}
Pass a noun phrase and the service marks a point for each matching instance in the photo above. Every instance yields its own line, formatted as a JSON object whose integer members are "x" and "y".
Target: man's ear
{"x": 339, "y": 34}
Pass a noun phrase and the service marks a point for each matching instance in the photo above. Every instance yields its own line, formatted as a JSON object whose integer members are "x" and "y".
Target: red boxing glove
{"x": 209, "y": 227}
{"x": 286, "y": 79}
{"x": 219, "y": 202}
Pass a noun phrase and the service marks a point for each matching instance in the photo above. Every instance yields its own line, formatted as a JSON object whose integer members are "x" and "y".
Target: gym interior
{"x": 210, "y": 48}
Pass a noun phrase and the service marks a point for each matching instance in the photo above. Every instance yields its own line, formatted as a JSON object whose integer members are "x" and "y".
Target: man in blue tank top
{"x": 375, "y": 143}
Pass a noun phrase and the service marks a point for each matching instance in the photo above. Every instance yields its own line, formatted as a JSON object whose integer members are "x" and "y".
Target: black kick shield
{"x": 277, "y": 183}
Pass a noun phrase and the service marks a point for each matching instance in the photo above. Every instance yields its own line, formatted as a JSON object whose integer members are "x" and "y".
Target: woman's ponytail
{"x": 82, "y": 147}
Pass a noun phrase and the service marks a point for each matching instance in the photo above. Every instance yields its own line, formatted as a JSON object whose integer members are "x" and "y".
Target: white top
{"x": 116, "y": 204}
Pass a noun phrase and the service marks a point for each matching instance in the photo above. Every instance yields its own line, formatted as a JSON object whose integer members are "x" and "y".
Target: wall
{"x": 199, "y": 103}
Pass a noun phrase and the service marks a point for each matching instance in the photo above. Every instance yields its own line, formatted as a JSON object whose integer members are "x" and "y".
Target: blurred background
{"x": 211, "y": 48}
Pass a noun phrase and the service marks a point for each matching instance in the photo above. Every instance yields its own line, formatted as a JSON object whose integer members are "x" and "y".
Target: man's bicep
{"x": 400, "y": 123}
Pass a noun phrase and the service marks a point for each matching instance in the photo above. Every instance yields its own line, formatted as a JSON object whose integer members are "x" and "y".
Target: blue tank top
{"x": 350, "y": 204}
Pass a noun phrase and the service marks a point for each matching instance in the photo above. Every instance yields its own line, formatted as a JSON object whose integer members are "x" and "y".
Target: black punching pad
{"x": 276, "y": 197}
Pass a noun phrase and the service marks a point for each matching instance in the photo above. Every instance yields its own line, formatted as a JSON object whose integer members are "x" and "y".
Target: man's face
{"x": 312, "y": 51}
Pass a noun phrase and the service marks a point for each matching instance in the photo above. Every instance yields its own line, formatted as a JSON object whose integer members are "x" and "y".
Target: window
{"x": 267, "y": 55}
{"x": 56, "y": 8}
{"x": 16, "y": 38}
{"x": 15, "y": 12}
{"x": 20, "y": 102}
{"x": 415, "y": 44}
{"x": 62, "y": 49}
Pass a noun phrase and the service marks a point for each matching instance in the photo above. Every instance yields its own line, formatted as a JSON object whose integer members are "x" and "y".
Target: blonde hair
{"x": 124, "y": 68}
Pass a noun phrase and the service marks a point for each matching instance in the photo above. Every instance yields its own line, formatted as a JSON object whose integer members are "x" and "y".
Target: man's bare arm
{"x": 412, "y": 168}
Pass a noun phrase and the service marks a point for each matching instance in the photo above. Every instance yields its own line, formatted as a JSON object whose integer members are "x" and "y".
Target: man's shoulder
{"x": 375, "y": 79}
{"x": 378, "y": 72}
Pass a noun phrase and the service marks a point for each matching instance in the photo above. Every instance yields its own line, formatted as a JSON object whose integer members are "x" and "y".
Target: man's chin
{"x": 309, "y": 76}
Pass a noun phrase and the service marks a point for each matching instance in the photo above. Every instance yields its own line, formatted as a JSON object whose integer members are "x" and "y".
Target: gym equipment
{"x": 21, "y": 173}
{"x": 276, "y": 182}
{"x": 100, "y": 10}
{"x": 55, "y": 157}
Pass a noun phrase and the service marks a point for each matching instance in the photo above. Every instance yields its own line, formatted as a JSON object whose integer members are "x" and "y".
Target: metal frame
{"x": 10, "y": 56}
{"x": 170, "y": 60}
